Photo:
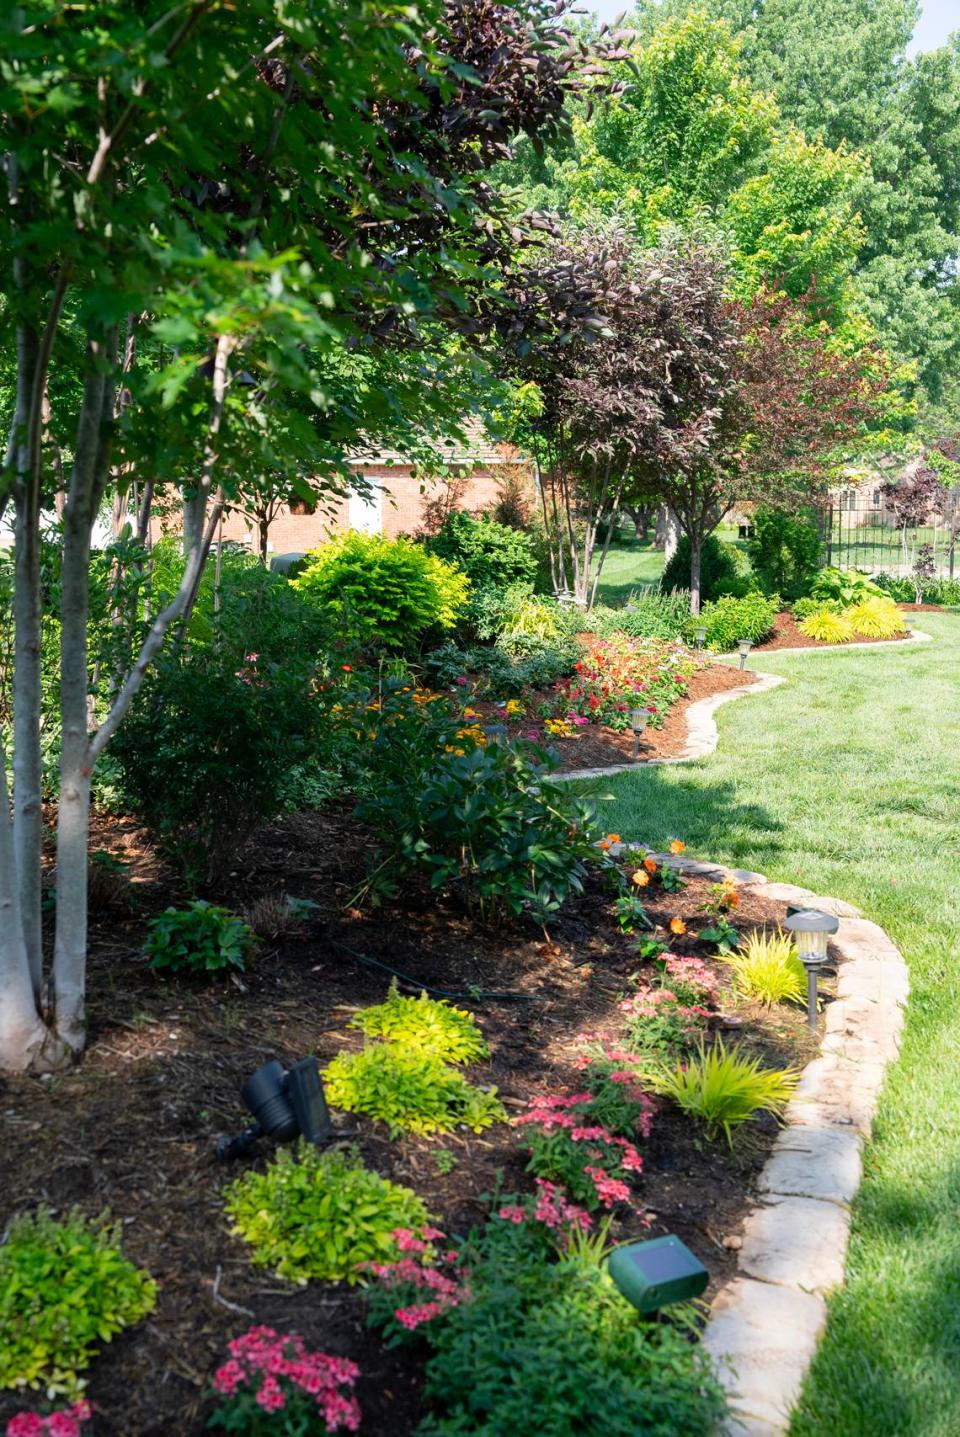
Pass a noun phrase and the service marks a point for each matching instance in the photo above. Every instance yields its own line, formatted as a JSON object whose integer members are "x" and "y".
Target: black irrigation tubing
{"x": 477, "y": 995}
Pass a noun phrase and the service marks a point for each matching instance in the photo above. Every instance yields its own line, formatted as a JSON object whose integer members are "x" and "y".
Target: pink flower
{"x": 412, "y": 1317}
{"x": 462, "y": 680}
{"x": 26, "y": 1424}
{"x": 228, "y": 1378}
{"x": 270, "y": 1397}
{"x": 512, "y": 1213}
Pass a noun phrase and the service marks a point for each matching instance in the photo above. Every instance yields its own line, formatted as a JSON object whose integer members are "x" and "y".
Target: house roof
{"x": 477, "y": 447}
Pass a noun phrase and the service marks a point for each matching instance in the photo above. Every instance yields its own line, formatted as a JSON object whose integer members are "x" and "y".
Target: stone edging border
{"x": 702, "y": 734}
{"x": 764, "y": 1326}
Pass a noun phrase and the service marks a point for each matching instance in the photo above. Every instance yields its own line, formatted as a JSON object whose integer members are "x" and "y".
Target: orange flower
{"x": 677, "y": 926}
{"x": 650, "y": 863}
{"x": 733, "y": 900}
{"x": 676, "y": 846}
{"x": 603, "y": 844}
{"x": 640, "y": 878}
{"x": 613, "y": 838}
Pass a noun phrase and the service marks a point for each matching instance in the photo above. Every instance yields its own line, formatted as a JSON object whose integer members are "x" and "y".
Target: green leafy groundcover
{"x": 427, "y": 1023}
{"x": 64, "y": 1287}
{"x": 320, "y": 1215}
{"x": 409, "y": 1089}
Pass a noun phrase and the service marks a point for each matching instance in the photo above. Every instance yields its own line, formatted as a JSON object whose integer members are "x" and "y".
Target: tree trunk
{"x": 668, "y": 532}
{"x": 25, "y": 1042}
{"x": 696, "y": 550}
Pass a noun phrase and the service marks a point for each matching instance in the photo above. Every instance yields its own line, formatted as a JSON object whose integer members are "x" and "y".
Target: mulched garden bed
{"x": 596, "y": 746}
{"x": 133, "y": 1128}
{"x": 787, "y": 634}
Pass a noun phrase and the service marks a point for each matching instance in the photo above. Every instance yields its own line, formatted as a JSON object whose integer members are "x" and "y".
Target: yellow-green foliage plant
{"x": 427, "y": 1024}
{"x": 876, "y": 619}
{"x": 766, "y": 968}
{"x": 323, "y": 1215}
{"x": 410, "y": 1090}
{"x": 827, "y": 627}
{"x": 65, "y": 1287}
{"x": 723, "y": 1088}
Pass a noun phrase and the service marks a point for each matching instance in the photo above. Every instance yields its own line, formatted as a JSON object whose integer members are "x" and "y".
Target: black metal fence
{"x": 861, "y": 531}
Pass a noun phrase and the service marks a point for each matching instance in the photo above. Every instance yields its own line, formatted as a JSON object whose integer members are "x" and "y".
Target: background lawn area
{"x": 847, "y": 780}
{"x": 628, "y": 566}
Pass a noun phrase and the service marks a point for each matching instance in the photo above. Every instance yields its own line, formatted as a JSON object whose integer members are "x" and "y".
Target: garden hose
{"x": 476, "y": 995}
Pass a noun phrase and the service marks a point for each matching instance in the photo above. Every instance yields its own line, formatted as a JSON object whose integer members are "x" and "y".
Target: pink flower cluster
{"x": 549, "y": 1113}
{"x": 557, "y": 1115}
{"x": 278, "y": 1365}
{"x": 652, "y": 1003}
{"x": 610, "y": 1190}
{"x": 66, "y": 1423}
{"x": 418, "y": 1271}
{"x": 549, "y": 1207}
{"x": 694, "y": 975}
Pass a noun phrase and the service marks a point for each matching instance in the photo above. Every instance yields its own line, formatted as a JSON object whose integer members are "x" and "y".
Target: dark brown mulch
{"x": 596, "y": 746}
{"x": 133, "y": 1128}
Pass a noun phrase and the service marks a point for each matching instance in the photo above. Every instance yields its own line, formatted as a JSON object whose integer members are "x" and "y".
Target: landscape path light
{"x": 745, "y": 645}
{"x": 639, "y": 718}
{"x": 909, "y": 625}
{"x": 811, "y": 929}
{"x": 657, "y": 1272}
{"x": 701, "y": 634}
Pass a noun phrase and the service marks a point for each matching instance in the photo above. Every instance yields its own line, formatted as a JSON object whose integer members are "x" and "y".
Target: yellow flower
{"x": 640, "y": 878}
{"x": 676, "y": 846}
{"x": 677, "y": 926}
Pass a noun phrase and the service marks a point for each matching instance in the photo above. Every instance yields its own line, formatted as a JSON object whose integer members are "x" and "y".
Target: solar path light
{"x": 811, "y": 929}
{"x": 701, "y": 634}
{"x": 745, "y": 645}
{"x": 639, "y": 718}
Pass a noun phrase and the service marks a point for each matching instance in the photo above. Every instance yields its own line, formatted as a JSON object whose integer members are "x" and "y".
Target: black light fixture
{"x": 285, "y": 1105}
{"x": 655, "y": 1273}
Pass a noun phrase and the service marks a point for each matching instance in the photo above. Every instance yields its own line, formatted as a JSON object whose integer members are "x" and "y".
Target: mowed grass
{"x": 847, "y": 779}
{"x": 628, "y": 566}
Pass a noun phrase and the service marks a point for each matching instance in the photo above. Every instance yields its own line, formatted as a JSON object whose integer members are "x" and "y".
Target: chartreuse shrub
{"x": 201, "y": 938}
{"x": 383, "y": 593}
{"x": 409, "y": 1089}
{"x": 424, "y": 1023}
{"x": 827, "y": 627}
{"x": 64, "y": 1287}
{"x": 313, "y": 1214}
{"x": 723, "y": 1088}
{"x": 540, "y": 1344}
{"x": 877, "y": 618}
{"x": 729, "y": 620}
{"x": 766, "y": 968}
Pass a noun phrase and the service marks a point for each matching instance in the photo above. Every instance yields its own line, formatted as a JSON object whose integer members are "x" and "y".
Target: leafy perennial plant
{"x": 621, "y": 673}
{"x": 271, "y": 1384}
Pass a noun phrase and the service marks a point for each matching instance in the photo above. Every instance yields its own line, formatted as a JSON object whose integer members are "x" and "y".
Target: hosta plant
{"x": 723, "y": 1088}
{"x": 321, "y": 1215}
{"x": 201, "y": 938}
{"x": 272, "y": 1384}
{"x": 65, "y": 1287}
{"x": 766, "y": 968}
{"x": 426, "y": 1023}
{"x": 410, "y": 1089}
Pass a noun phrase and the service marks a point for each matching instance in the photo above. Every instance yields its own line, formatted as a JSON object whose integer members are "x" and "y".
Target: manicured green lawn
{"x": 847, "y": 780}
{"x": 628, "y": 566}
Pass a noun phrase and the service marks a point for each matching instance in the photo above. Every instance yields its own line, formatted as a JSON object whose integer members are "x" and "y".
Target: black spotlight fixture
{"x": 285, "y": 1104}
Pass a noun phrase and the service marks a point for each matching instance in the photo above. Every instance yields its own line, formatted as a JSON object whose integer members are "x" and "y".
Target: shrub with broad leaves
{"x": 201, "y": 938}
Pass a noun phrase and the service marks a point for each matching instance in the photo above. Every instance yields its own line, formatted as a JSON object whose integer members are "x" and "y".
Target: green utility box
{"x": 653, "y": 1274}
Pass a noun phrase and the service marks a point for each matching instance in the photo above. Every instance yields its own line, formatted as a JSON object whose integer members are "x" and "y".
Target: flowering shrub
{"x": 415, "y": 1288}
{"x": 620, "y": 673}
{"x": 430, "y": 1024}
{"x": 273, "y": 1384}
{"x": 320, "y": 1215}
{"x": 64, "y": 1287}
{"x": 617, "y": 1097}
{"x": 657, "y": 1021}
{"x": 694, "y": 982}
{"x": 67, "y": 1422}
{"x": 566, "y": 1146}
{"x": 409, "y": 1089}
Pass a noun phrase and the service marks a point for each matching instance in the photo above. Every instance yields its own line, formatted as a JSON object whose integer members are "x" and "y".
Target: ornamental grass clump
{"x": 723, "y": 1088}
{"x": 876, "y": 618}
{"x": 828, "y": 627}
{"x": 65, "y": 1287}
{"x": 272, "y": 1383}
{"x": 431, "y": 1025}
{"x": 766, "y": 968}
{"x": 409, "y": 1089}
{"x": 321, "y": 1215}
